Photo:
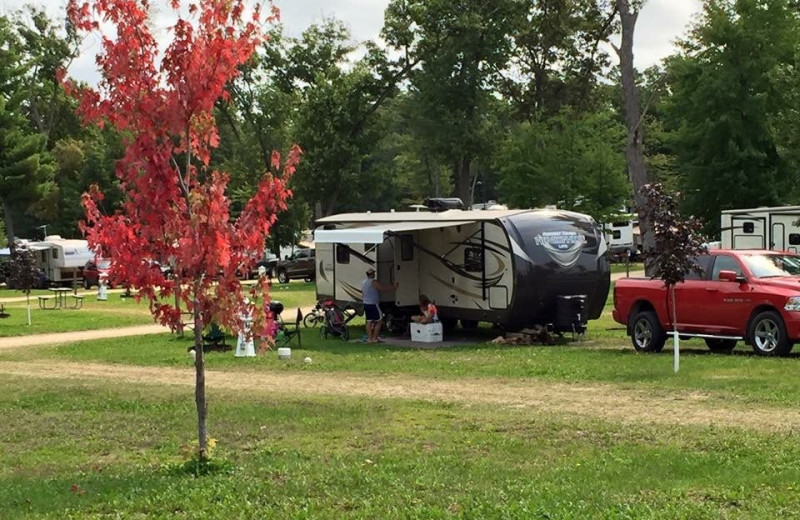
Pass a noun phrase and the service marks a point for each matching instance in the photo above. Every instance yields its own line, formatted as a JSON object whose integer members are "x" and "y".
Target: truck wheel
{"x": 646, "y": 333}
{"x": 283, "y": 277}
{"x": 768, "y": 335}
{"x": 720, "y": 345}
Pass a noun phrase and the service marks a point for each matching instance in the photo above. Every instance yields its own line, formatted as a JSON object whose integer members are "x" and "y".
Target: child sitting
{"x": 429, "y": 312}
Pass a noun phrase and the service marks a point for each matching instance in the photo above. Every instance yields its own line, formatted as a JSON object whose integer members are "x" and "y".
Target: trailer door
{"x": 784, "y": 232}
{"x": 406, "y": 270}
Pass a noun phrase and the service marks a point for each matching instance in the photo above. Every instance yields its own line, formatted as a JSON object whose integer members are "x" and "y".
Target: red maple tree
{"x": 176, "y": 211}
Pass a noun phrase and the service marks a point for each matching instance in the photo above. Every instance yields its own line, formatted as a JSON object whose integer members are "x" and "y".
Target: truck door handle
{"x": 711, "y": 289}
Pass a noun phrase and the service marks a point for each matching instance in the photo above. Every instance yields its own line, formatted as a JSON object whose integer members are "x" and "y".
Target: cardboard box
{"x": 426, "y": 333}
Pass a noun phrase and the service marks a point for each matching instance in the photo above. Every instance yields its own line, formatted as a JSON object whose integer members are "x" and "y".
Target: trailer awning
{"x": 376, "y": 234}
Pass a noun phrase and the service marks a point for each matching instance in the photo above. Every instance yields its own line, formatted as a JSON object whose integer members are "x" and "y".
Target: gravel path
{"x": 593, "y": 400}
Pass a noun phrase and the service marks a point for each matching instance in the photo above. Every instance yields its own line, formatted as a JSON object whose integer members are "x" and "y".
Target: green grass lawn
{"x": 621, "y": 267}
{"x": 98, "y": 450}
{"x": 115, "y": 312}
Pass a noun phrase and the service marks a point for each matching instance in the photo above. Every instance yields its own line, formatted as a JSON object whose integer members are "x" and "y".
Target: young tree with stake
{"x": 678, "y": 242}
{"x": 176, "y": 210}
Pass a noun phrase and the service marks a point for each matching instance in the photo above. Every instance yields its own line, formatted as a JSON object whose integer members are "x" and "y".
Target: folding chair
{"x": 291, "y": 331}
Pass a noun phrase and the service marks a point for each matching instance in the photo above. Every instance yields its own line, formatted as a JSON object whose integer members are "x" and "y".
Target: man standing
{"x": 370, "y": 290}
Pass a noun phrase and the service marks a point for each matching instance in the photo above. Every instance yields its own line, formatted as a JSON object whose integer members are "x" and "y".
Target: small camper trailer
{"x": 621, "y": 234}
{"x": 761, "y": 228}
{"x": 514, "y": 268}
{"x": 62, "y": 259}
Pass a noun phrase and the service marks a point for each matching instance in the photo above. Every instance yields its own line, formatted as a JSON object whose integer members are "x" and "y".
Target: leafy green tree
{"x": 573, "y": 160}
{"x": 459, "y": 46}
{"x": 730, "y": 100}
{"x": 25, "y": 170}
{"x": 555, "y": 56}
{"x": 335, "y": 101}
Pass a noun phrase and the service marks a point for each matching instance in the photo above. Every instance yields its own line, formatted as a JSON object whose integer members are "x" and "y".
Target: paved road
{"x": 634, "y": 274}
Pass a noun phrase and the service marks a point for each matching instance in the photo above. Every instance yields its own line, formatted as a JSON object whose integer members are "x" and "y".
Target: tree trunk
{"x": 461, "y": 181}
{"x": 9, "y": 222}
{"x": 200, "y": 382}
{"x": 634, "y": 152}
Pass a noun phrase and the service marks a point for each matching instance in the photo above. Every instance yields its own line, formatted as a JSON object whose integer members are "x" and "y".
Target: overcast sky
{"x": 660, "y": 23}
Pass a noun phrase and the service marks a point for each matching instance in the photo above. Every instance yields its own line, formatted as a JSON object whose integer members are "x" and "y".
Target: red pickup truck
{"x": 742, "y": 295}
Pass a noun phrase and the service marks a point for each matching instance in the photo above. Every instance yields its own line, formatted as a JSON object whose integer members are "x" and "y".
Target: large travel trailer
{"x": 514, "y": 268}
{"x": 61, "y": 259}
{"x": 761, "y": 228}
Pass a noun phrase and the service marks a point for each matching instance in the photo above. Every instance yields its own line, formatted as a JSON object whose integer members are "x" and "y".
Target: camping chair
{"x": 288, "y": 332}
{"x": 215, "y": 339}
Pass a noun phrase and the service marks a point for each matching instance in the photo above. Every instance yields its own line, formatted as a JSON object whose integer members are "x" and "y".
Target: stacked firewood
{"x": 536, "y": 335}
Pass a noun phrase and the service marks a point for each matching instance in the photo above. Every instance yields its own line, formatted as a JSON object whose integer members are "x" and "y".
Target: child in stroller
{"x": 335, "y": 321}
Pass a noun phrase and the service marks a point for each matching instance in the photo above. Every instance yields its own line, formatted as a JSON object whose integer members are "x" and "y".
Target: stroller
{"x": 335, "y": 322}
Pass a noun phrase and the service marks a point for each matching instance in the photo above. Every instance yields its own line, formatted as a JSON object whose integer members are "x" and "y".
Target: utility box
{"x": 426, "y": 332}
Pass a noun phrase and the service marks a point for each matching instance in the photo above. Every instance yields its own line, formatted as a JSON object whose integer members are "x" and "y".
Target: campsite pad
{"x": 455, "y": 340}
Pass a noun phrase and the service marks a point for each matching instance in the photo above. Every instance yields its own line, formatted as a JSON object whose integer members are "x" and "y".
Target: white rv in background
{"x": 62, "y": 259}
{"x": 761, "y": 228}
{"x": 622, "y": 235}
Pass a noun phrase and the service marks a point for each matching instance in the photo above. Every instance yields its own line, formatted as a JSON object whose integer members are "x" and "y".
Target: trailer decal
{"x": 351, "y": 291}
{"x": 322, "y": 271}
{"x": 455, "y": 287}
{"x": 563, "y": 246}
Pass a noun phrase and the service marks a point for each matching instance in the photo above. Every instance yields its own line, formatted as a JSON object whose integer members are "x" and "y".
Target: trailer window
{"x": 406, "y": 248}
{"x": 473, "y": 259}
{"x": 55, "y": 254}
{"x": 342, "y": 254}
{"x": 748, "y": 227}
{"x": 794, "y": 239}
{"x": 620, "y": 224}
{"x": 616, "y": 235}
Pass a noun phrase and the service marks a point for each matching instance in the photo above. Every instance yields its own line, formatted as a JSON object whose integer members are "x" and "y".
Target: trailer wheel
{"x": 768, "y": 335}
{"x": 87, "y": 284}
{"x": 448, "y": 324}
{"x": 647, "y": 335}
{"x": 469, "y": 324}
{"x": 720, "y": 345}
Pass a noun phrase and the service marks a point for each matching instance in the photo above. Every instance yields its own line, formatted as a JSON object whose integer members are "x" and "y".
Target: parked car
{"x": 270, "y": 262}
{"x": 747, "y": 295}
{"x": 93, "y": 271}
{"x": 301, "y": 265}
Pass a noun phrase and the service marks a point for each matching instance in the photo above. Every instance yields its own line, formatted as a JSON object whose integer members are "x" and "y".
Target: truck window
{"x": 725, "y": 263}
{"x": 704, "y": 261}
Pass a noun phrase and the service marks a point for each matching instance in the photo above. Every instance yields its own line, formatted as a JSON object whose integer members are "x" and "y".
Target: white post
{"x": 29, "y": 314}
{"x": 244, "y": 343}
{"x": 676, "y": 361}
{"x": 676, "y": 349}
